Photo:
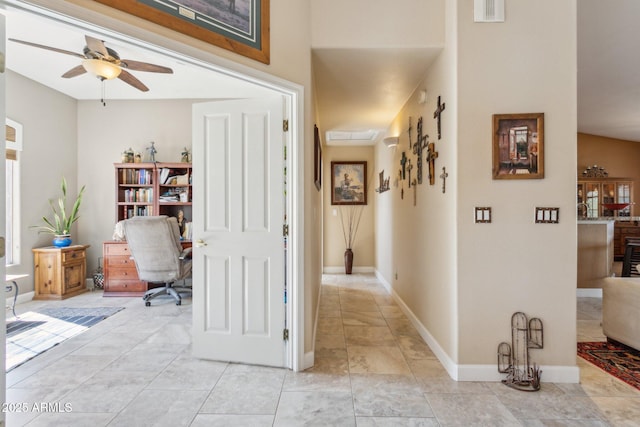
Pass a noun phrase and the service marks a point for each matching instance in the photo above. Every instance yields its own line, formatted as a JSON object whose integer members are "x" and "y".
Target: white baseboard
{"x": 589, "y": 292}
{"x": 556, "y": 374}
{"x": 22, "y": 298}
{"x": 340, "y": 270}
{"x": 309, "y": 359}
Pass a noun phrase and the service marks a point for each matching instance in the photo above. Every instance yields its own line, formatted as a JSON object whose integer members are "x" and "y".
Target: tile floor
{"x": 372, "y": 369}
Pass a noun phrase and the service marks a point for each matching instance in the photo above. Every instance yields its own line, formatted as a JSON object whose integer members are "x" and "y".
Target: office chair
{"x": 154, "y": 242}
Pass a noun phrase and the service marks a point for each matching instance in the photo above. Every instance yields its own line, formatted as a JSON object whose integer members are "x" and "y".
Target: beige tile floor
{"x": 372, "y": 369}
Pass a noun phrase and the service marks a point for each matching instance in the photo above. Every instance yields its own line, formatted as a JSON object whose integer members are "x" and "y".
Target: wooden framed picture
{"x": 317, "y": 158}
{"x": 241, "y": 26}
{"x": 518, "y": 146}
{"x": 348, "y": 183}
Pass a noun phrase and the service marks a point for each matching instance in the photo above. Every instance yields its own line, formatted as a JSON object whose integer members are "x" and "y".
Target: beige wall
{"x": 617, "y": 156}
{"x": 416, "y": 244}
{"x": 376, "y": 23}
{"x": 514, "y": 264}
{"x": 49, "y": 153}
{"x": 462, "y": 280}
{"x": 334, "y": 247}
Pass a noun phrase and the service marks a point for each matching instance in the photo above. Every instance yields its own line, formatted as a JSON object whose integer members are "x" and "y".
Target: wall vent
{"x": 488, "y": 10}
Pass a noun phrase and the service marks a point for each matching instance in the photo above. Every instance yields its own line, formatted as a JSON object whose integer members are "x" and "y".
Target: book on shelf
{"x": 164, "y": 174}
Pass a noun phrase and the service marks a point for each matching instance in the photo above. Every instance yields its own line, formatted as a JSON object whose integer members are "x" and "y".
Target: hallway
{"x": 372, "y": 369}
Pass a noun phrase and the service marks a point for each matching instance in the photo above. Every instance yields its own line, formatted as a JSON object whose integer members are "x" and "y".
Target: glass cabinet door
{"x": 608, "y": 197}
{"x": 592, "y": 199}
{"x": 623, "y": 191}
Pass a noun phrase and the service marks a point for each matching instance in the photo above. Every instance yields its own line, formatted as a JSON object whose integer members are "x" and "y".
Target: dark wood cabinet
{"x": 622, "y": 230}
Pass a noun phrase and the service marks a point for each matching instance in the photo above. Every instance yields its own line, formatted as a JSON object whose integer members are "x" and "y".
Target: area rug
{"x": 34, "y": 333}
{"x": 615, "y": 358}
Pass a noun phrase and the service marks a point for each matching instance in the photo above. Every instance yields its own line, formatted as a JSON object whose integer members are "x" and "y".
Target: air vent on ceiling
{"x": 488, "y": 10}
{"x": 354, "y": 137}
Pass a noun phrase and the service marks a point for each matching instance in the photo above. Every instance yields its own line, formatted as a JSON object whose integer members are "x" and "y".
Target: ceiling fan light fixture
{"x": 102, "y": 69}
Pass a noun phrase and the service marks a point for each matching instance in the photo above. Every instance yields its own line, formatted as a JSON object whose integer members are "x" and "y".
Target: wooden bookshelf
{"x": 146, "y": 189}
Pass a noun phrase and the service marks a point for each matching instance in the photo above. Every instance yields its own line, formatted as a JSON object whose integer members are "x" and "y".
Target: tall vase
{"x": 348, "y": 261}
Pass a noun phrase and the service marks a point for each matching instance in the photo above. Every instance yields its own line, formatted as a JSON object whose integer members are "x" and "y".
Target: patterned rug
{"x": 615, "y": 358}
{"x": 34, "y": 333}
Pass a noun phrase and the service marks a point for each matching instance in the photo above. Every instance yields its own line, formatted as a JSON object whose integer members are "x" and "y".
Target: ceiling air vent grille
{"x": 488, "y": 10}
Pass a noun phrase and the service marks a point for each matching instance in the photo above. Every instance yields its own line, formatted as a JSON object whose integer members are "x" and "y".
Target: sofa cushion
{"x": 621, "y": 310}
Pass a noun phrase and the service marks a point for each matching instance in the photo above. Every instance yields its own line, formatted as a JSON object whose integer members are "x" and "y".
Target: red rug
{"x": 617, "y": 359}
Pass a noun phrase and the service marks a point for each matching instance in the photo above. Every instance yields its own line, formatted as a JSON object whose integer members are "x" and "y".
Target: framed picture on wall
{"x": 317, "y": 158}
{"x": 518, "y": 146}
{"x": 348, "y": 183}
{"x": 241, "y": 26}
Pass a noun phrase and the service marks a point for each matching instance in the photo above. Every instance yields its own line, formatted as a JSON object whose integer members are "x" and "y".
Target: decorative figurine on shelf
{"x": 152, "y": 152}
{"x": 138, "y": 158}
{"x": 127, "y": 156}
{"x": 182, "y": 221}
{"x": 186, "y": 156}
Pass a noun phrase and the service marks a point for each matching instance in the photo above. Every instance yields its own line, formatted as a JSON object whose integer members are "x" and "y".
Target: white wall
{"x": 103, "y": 134}
{"x": 50, "y": 148}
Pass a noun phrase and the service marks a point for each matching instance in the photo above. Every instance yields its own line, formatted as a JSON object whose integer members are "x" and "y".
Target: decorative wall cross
{"x": 418, "y": 147}
{"x": 432, "y": 155}
{"x": 409, "y": 167}
{"x": 403, "y": 162}
{"x": 444, "y": 176}
{"x": 415, "y": 191}
{"x": 409, "y": 131}
{"x": 437, "y": 114}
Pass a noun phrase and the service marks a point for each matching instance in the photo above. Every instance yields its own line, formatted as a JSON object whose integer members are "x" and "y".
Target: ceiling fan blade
{"x": 54, "y": 49}
{"x": 144, "y": 66}
{"x": 97, "y": 46}
{"x": 130, "y": 79}
{"x": 75, "y": 71}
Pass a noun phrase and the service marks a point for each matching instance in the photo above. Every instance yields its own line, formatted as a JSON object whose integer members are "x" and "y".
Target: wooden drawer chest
{"x": 120, "y": 274}
{"x": 59, "y": 273}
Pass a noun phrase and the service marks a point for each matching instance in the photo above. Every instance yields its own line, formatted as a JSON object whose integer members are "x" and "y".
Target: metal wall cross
{"x": 415, "y": 191}
{"x": 409, "y": 131}
{"x": 418, "y": 147}
{"x": 437, "y": 114}
{"x": 403, "y": 162}
{"x": 444, "y": 176}
{"x": 432, "y": 155}
{"x": 409, "y": 167}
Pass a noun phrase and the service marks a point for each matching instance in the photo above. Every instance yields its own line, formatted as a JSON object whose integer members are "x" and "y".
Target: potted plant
{"x": 60, "y": 226}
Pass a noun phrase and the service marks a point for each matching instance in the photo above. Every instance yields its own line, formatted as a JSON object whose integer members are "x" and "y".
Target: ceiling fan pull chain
{"x": 104, "y": 103}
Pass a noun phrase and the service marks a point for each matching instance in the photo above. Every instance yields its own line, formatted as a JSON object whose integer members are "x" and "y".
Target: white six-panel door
{"x": 238, "y": 216}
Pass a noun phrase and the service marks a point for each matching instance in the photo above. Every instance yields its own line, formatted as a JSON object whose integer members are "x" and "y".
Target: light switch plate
{"x": 547, "y": 215}
{"x": 482, "y": 215}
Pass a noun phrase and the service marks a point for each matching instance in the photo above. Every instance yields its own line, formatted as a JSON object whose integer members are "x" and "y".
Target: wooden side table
{"x": 59, "y": 273}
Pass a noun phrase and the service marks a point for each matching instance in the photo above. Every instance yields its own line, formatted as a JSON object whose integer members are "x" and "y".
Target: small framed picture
{"x": 348, "y": 183}
{"x": 518, "y": 146}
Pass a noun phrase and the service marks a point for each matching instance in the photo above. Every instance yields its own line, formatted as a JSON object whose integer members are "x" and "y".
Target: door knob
{"x": 200, "y": 243}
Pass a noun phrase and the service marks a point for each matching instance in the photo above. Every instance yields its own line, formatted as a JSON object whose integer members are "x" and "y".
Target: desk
{"x": 8, "y": 288}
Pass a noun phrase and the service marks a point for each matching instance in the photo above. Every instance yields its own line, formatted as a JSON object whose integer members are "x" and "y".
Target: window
{"x": 12, "y": 190}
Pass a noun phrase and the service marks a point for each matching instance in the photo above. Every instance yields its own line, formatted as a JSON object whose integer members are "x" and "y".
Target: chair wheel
{"x": 147, "y": 303}
{"x": 178, "y": 302}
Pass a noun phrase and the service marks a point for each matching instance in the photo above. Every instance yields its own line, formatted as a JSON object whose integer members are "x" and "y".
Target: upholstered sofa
{"x": 621, "y": 310}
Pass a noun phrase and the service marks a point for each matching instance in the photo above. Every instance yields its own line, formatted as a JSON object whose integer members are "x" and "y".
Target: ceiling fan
{"x": 104, "y": 63}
